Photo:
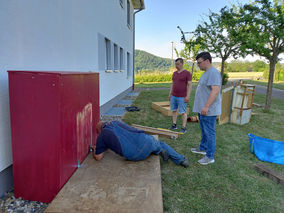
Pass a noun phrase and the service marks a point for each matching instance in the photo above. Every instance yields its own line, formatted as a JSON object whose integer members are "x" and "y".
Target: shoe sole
{"x": 202, "y": 153}
{"x": 207, "y": 162}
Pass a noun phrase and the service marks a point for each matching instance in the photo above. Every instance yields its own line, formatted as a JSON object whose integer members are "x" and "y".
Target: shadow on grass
{"x": 230, "y": 184}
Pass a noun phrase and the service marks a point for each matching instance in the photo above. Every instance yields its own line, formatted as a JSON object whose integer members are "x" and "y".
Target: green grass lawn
{"x": 230, "y": 184}
{"x": 277, "y": 85}
{"x": 157, "y": 85}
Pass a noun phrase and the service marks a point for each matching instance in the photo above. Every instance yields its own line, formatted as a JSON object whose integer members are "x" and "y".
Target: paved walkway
{"x": 118, "y": 110}
{"x": 276, "y": 93}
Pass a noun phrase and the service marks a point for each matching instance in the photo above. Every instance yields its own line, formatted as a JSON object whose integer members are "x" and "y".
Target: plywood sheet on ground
{"x": 112, "y": 185}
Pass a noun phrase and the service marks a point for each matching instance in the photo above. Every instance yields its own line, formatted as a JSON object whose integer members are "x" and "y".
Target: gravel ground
{"x": 9, "y": 204}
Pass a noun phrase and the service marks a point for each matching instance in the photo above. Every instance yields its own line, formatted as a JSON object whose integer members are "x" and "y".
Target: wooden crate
{"x": 165, "y": 108}
{"x": 242, "y": 104}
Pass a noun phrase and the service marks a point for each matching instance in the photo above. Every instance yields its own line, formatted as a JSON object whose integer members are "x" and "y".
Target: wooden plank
{"x": 112, "y": 185}
{"x": 156, "y": 131}
{"x": 269, "y": 173}
{"x": 242, "y": 108}
{"x": 256, "y": 105}
{"x": 163, "y": 103}
{"x": 226, "y": 104}
{"x": 158, "y": 107}
{"x": 164, "y": 108}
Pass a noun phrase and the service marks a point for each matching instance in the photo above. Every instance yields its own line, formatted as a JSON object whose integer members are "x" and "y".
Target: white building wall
{"x": 65, "y": 35}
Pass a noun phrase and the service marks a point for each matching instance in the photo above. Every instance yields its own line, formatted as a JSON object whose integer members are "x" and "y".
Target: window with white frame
{"x": 108, "y": 54}
{"x": 128, "y": 64}
{"x": 128, "y": 14}
{"x": 121, "y": 57}
{"x": 115, "y": 56}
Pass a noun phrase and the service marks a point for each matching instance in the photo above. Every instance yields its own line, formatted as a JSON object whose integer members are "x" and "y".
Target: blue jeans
{"x": 208, "y": 136}
{"x": 137, "y": 145}
{"x": 178, "y": 103}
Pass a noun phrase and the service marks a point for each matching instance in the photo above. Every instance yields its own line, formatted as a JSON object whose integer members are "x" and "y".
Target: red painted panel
{"x": 53, "y": 117}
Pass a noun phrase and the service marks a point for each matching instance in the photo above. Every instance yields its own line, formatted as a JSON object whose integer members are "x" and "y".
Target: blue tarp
{"x": 267, "y": 149}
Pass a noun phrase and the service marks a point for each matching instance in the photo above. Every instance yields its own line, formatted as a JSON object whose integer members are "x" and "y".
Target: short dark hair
{"x": 204, "y": 56}
{"x": 180, "y": 60}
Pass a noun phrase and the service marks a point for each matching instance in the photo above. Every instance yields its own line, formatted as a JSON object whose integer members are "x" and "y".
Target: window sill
{"x": 116, "y": 70}
{"x": 108, "y": 71}
{"x": 121, "y": 70}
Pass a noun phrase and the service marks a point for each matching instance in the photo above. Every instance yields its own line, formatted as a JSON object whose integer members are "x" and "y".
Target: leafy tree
{"x": 258, "y": 66}
{"x": 214, "y": 37}
{"x": 259, "y": 27}
{"x": 190, "y": 50}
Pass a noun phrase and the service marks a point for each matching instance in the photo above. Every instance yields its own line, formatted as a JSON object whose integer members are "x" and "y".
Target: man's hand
{"x": 98, "y": 157}
{"x": 169, "y": 98}
{"x": 204, "y": 110}
{"x": 186, "y": 99}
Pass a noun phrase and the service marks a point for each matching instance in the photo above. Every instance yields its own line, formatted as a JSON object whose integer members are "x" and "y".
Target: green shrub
{"x": 225, "y": 79}
{"x": 278, "y": 73}
{"x": 161, "y": 77}
{"x": 196, "y": 75}
{"x": 153, "y": 78}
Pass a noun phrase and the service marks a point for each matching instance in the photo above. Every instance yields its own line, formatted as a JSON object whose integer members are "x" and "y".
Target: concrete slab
{"x": 135, "y": 94}
{"x": 116, "y": 111}
{"x": 124, "y": 103}
{"x": 132, "y": 95}
{"x": 112, "y": 185}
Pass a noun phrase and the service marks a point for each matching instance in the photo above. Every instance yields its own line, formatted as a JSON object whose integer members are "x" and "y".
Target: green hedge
{"x": 167, "y": 77}
{"x": 278, "y": 73}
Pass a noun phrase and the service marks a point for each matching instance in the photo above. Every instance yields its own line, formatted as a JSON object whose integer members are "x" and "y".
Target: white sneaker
{"x": 205, "y": 160}
{"x": 198, "y": 151}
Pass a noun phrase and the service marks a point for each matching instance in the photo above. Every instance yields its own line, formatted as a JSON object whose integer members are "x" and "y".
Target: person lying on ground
{"x": 132, "y": 144}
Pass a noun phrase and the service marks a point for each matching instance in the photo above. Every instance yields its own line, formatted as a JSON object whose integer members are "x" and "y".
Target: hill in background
{"x": 148, "y": 61}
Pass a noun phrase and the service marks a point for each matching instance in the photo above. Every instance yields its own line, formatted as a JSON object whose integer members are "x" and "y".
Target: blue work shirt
{"x": 108, "y": 140}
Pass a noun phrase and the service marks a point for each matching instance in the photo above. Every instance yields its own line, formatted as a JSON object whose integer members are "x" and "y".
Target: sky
{"x": 156, "y": 26}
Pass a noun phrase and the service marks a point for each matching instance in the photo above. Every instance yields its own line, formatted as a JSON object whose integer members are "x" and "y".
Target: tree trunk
{"x": 222, "y": 72}
{"x": 222, "y": 67}
{"x": 272, "y": 64}
{"x": 192, "y": 68}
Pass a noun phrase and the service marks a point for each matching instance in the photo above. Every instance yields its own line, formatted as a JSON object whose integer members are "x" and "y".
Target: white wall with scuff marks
{"x": 65, "y": 35}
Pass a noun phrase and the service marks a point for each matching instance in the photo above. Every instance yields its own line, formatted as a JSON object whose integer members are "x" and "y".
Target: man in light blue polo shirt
{"x": 207, "y": 104}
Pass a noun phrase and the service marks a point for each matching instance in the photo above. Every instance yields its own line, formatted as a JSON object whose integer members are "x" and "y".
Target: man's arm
{"x": 100, "y": 146}
{"x": 189, "y": 88}
{"x": 213, "y": 94}
{"x": 170, "y": 94}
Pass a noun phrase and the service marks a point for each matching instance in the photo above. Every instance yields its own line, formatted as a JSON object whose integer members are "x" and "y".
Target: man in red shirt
{"x": 180, "y": 93}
